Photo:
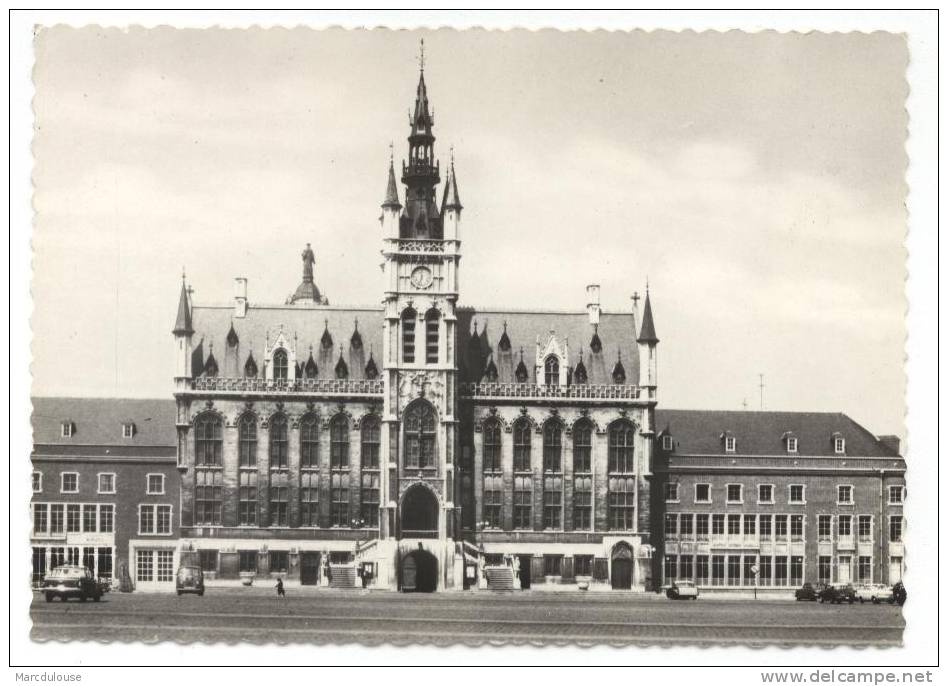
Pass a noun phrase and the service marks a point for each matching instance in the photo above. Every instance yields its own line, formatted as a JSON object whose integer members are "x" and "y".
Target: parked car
{"x": 877, "y": 593}
{"x": 72, "y": 581}
{"x": 682, "y": 590}
{"x": 837, "y": 594}
{"x": 898, "y": 593}
{"x": 808, "y": 591}
{"x": 190, "y": 579}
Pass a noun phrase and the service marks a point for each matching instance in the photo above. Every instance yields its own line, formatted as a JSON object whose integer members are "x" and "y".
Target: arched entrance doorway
{"x": 419, "y": 513}
{"x": 419, "y": 572}
{"x": 622, "y": 566}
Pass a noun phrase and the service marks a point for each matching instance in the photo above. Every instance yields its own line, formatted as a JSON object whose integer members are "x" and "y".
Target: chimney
{"x": 893, "y": 443}
{"x": 240, "y": 297}
{"x": 592, "y": 302}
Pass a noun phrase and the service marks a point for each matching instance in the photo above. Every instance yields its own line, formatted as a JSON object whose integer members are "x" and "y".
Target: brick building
{"x": 775, "y": 498}
{"x": 105, "y": 489}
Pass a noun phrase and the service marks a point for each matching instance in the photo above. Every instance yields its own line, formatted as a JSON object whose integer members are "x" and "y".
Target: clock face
{"x": 421, "y": 277}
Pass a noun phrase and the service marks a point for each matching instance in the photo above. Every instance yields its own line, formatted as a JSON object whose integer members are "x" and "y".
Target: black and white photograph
{"x": 391, "y": 338}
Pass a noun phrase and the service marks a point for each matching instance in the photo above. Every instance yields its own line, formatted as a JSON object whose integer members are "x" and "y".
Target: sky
{"x": 755, "y": 181}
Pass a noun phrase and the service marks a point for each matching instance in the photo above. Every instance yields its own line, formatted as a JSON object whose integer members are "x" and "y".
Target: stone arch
{"x": 340, "y": 412}
{"x": 419, "y": 509}
{"x": 581, "y": 419}
{"x": 493, "y": 415}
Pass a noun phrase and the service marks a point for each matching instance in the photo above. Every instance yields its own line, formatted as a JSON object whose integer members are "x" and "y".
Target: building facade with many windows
{"x": 420, "y": 444}
{"x": 105, "y": 489}
{"x": 773, "y": 499}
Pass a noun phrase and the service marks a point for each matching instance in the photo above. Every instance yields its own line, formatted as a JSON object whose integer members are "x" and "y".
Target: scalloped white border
{"x": 922, "y": 420}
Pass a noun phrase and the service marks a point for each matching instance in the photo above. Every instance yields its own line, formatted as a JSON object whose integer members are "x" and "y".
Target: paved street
{"x": 237, "y": 614}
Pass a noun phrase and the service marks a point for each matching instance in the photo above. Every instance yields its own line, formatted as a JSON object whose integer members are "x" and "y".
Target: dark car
{"x": 72, "y": 581}
{"x": 682, "y": 590}
{"x": 898, "y": 593}
{"x": 190, "y": 579}
{"x": 807, "y": 592}
{"x": 841, "y": 593}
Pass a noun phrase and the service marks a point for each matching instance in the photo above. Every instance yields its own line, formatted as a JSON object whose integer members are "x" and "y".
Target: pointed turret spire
{"x": 182, "y": 325}
{"x": 451, "y": 201}
{"x": 647, "y": 332}
{"x": 391, "y": 192}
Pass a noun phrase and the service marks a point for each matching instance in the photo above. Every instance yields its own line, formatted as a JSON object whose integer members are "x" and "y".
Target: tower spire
{"x": 391, "y": 191}
{"x": 182, "y": 324}
{"x": 421, "y": 173}
{"x": 451, "y": 201}
{"x": 647, "y": 332}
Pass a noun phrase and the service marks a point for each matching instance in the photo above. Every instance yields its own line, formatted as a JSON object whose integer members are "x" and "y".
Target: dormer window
{"x": 551, "y": 370}
{"x": 280, "y": 364}
{"x": 730, "y": 444}
{"x": 668, "y": 443}
{"x": 791, "y": 444}
{"x": 128, "y": 430}
{"x": 839, "y": 445}
{"x": 67, "y": 429}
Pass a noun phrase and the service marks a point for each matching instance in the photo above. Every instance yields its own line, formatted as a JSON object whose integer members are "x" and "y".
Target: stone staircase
{"x": 342, "y": 576}
{"x": 499, "y": 578}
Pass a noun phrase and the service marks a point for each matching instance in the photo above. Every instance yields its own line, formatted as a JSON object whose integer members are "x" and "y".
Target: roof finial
{"x": 452, "y": 155}
{"x": 421, "y": 55}
{"x": 184, "y": 274}
{"x": 646, "y": 284}
{"x": 635, "y": 298}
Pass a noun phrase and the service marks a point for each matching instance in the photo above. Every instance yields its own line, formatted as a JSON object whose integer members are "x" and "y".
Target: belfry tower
{"x": 421, "y": 249}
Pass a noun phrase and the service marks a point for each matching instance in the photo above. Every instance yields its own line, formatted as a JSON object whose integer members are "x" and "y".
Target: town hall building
{"x": 423, "y": 444}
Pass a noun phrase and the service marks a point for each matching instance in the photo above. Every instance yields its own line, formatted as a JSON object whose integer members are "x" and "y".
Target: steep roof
{"x": 310, "y": 324}
{"x": 698, "y": 432}
{"x": 391, "y": 192}
{"x": 616, "y": 331}
{"x": 98, "y": 421}
{"x": 182, "y": 323}
{"x": 451, "y": 198}
{"x": 647, "y": 334}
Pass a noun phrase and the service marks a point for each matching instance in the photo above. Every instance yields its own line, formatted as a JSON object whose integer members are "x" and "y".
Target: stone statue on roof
{"x": 309, "y": 259}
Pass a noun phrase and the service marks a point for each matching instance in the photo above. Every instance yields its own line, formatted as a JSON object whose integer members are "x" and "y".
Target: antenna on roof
{"x": 761, "y": 387}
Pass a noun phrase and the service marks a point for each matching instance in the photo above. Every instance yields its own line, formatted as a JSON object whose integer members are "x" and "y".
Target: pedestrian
{"x": 279, "y": 587}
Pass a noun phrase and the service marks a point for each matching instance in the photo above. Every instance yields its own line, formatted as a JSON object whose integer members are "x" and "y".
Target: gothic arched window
{"x": 492, "y": 445}
{"x": 278, "y": 442}
{"x": 621, "y": 438}
{"x": 420, "y": 436}
{"x": 408, "y": 335}
{"x": 339, "y": 442}
{"x": 208, "y": 443}
{"x": 280, "y": 365}
{"x": 247, "y": 441}
{"x": 371, "y": 440}
{"x": 370, "y": 486}
{"x": 582, "y": 447}
{"x": 432, "y": 325}
{"x": 521, "y": 444}
{"x": 551, "y": 370}
{"x": 309, "y": 442}
{"x": 552, "y": 445}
